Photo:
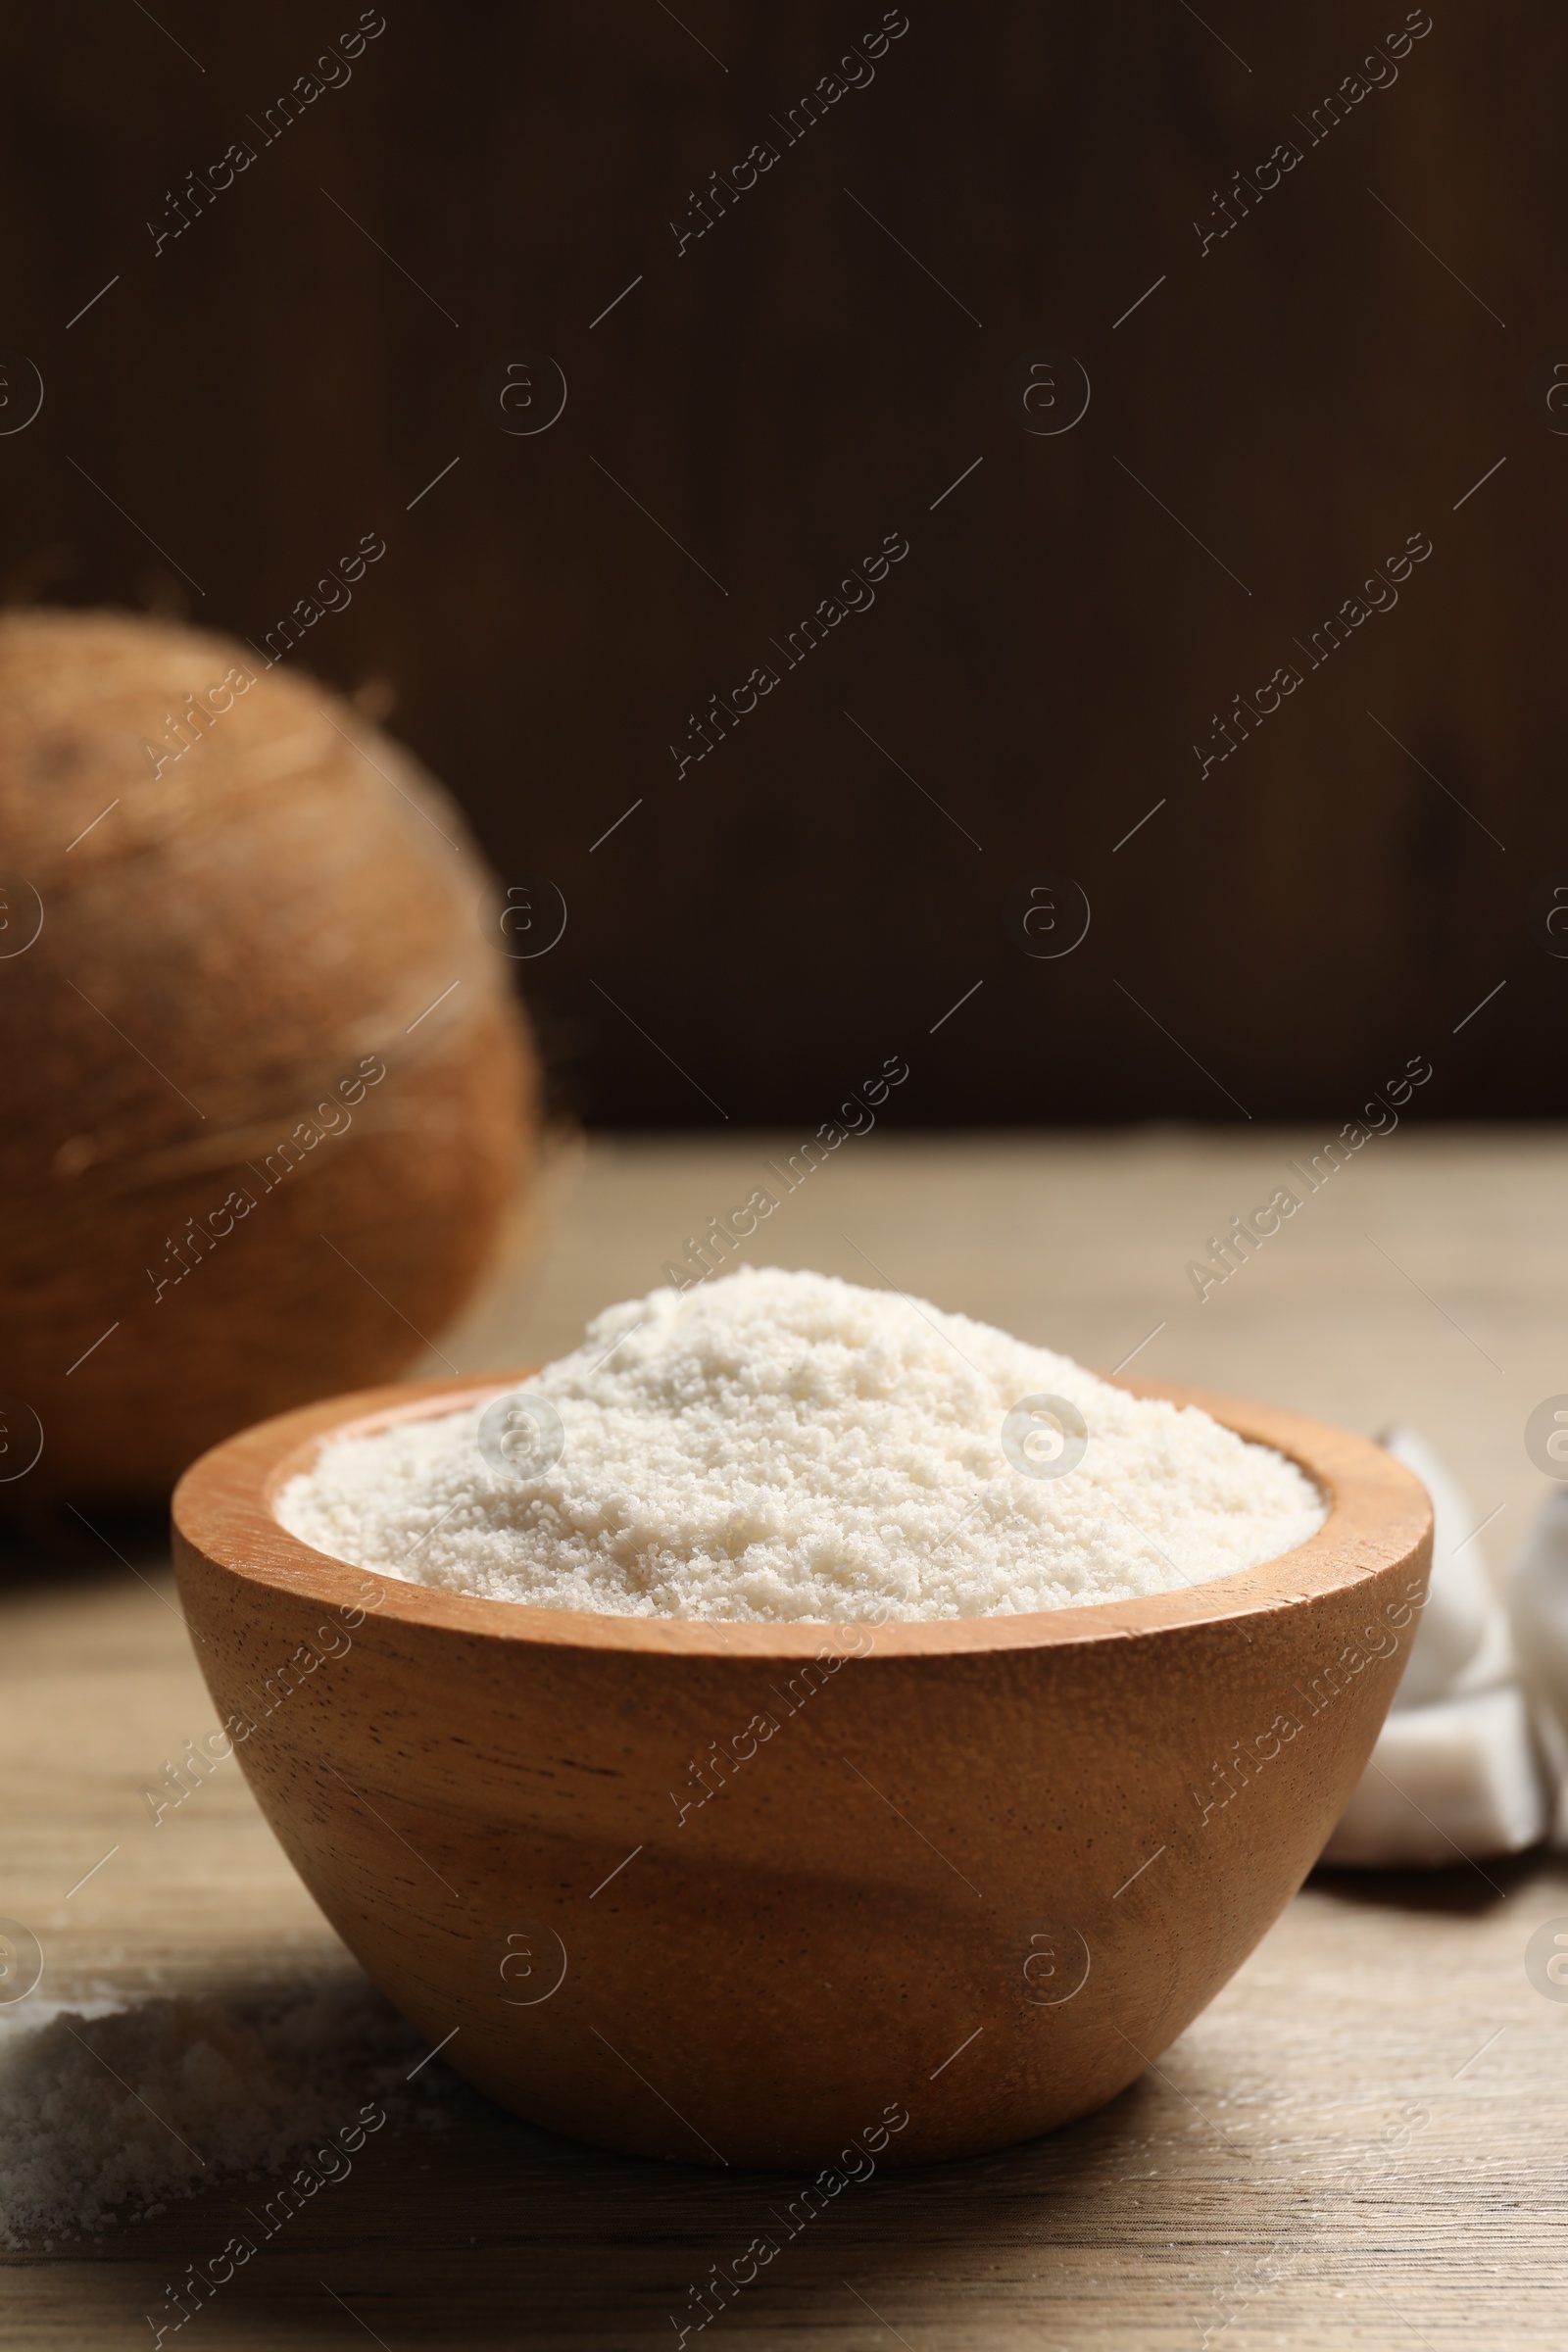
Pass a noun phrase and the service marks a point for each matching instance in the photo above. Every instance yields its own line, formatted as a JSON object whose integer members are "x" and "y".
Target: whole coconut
{"x": 267, "y": 1094}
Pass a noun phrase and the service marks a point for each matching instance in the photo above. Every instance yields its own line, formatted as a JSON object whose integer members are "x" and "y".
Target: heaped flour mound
{"x": 787, "y": 1447}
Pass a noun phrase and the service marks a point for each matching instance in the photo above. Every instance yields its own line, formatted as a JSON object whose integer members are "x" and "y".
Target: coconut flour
{"x": 786, "y": 1446}
{"x": 112, "y": 2111}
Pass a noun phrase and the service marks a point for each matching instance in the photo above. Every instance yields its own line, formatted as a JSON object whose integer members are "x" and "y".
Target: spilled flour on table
{"x": 111, "y": 2113}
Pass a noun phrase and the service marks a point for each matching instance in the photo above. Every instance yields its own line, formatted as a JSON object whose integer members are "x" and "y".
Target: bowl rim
{"x": 1379, "y": 1516}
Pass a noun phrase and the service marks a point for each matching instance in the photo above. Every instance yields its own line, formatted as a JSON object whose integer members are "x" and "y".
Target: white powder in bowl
{"x": 786, "y": 1446}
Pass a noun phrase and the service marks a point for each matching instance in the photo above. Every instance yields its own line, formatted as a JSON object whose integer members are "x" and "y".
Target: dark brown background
{"x": 1314, "y": 389}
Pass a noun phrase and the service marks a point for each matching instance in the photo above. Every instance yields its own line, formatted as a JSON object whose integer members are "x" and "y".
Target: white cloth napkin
{"x": 1457, "y": 1773}
{"x": 1538, "y": 1605}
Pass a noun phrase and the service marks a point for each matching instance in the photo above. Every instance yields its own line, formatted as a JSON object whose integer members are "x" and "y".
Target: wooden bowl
{"x": 769, "y": 1895}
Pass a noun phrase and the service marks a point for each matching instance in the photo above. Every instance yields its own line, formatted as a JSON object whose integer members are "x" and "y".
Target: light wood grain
{"x": 1244, "y": 2182}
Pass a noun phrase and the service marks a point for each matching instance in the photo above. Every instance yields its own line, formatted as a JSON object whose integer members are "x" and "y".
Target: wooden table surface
{"x": 1362, "y": 2142}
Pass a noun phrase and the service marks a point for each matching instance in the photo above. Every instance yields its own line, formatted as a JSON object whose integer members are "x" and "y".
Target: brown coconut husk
{"x": 234, "y": 937}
